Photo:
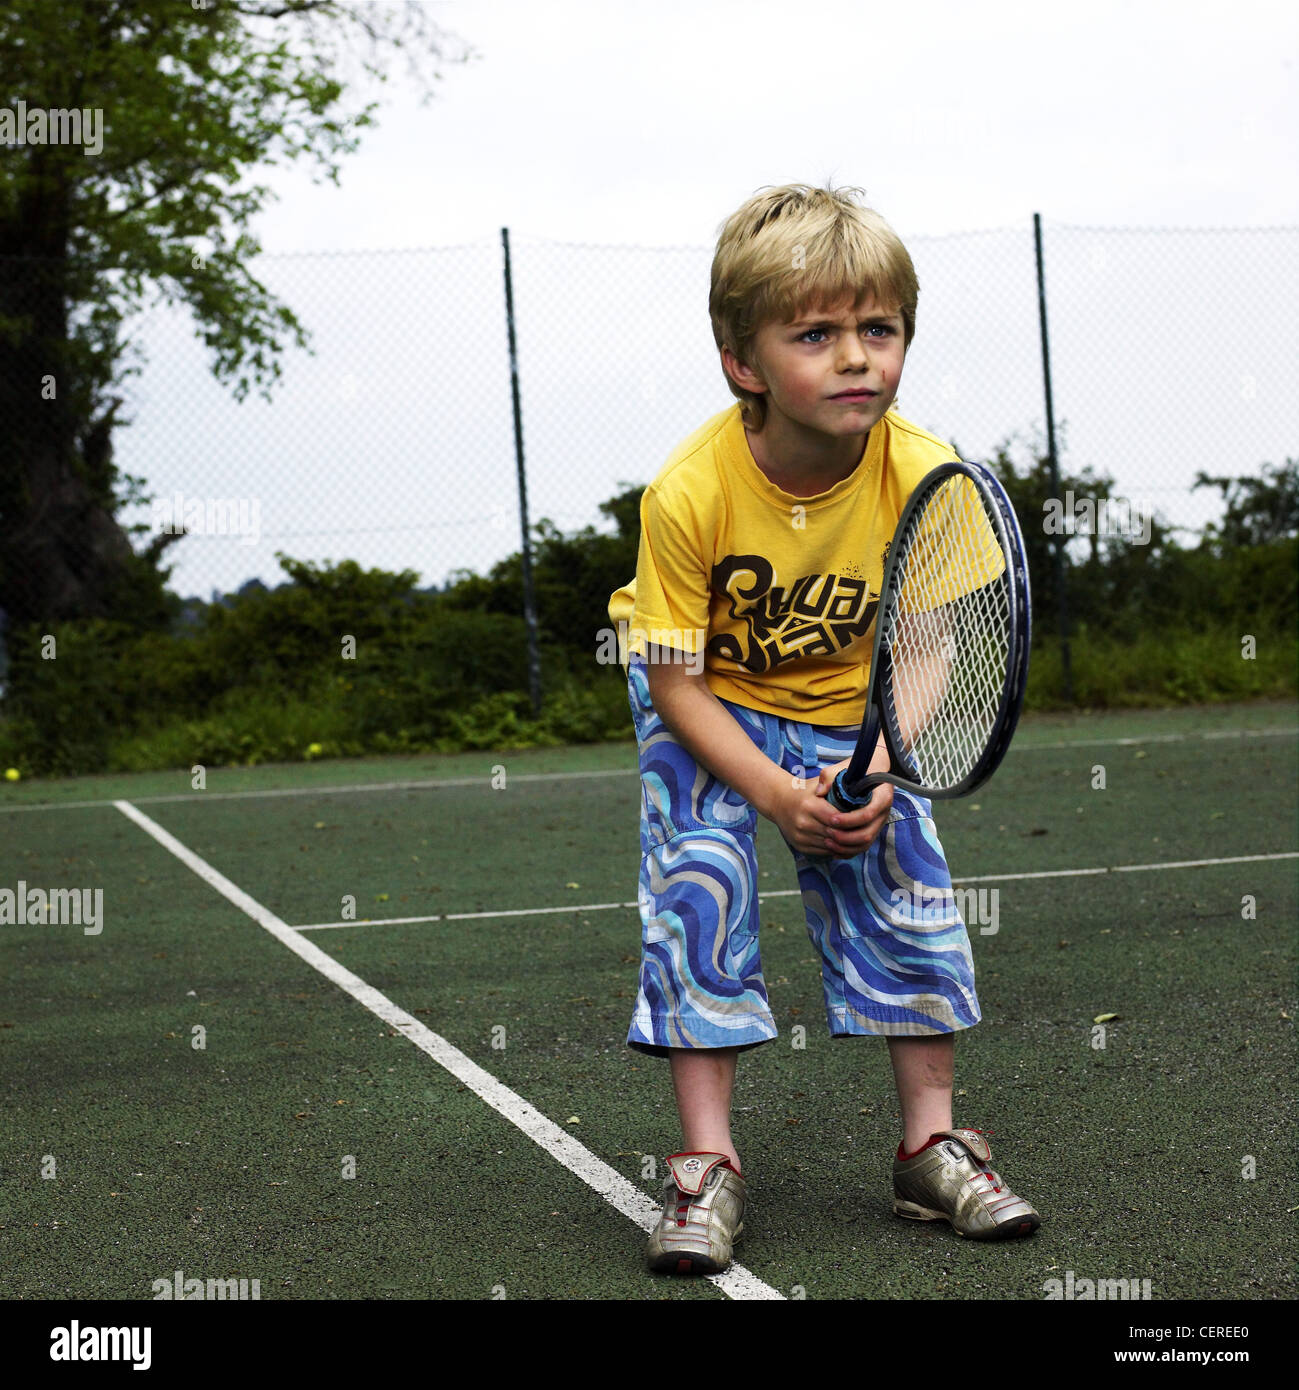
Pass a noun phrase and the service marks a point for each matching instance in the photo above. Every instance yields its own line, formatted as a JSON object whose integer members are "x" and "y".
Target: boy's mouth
{"x": 857, "y": 393}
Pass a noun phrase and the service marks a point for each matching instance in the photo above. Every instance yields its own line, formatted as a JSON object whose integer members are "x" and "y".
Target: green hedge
{"x": 264, "y": 676}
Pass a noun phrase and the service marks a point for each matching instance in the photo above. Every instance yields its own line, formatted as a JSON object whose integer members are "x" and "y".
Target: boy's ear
{"x": 742, "y": 374}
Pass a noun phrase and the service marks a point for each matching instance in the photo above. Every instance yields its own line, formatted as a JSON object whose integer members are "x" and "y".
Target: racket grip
{"x": 842, "y": 800}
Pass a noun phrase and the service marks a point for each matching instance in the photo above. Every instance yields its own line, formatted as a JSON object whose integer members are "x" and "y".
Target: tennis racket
{"x": 951, "y": 645}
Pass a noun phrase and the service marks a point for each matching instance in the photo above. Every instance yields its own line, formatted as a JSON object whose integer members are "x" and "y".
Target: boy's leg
{"x": 701, "y": 998}
{"x": 922, "y": 1071}
{"x": 950, "y": 1179}
{"x": 701, "y": 985}
{"x": 703, "y": 1199}
{"x": 703, "y": 1080}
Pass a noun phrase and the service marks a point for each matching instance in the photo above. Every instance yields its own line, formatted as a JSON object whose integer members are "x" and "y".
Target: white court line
{"x": 485, "y": 778}
{"x": 330, "y": 790}
{"x": 794, "y": 892}
{"x": 737, "y": 1282}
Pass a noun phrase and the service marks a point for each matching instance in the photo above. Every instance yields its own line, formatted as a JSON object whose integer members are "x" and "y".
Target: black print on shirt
{"x": 818, "y": 615}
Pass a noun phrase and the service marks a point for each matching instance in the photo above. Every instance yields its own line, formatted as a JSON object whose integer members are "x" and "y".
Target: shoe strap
{"x": 690, "y": 1170}
{"x": 970, "y": 1139}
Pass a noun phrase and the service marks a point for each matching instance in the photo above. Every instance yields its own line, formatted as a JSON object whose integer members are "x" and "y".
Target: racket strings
{"x": 949, "y": 633}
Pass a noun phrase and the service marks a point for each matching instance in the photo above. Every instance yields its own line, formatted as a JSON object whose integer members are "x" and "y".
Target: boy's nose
{"x": 853, "y": 355}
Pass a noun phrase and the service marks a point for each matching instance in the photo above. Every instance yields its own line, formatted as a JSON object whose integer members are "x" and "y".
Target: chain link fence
{"x": 392, "y": 444}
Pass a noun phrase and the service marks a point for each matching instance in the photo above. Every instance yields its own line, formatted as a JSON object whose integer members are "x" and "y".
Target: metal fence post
{"x": 529, "y": 600}
{"x": 1062, "y": 603}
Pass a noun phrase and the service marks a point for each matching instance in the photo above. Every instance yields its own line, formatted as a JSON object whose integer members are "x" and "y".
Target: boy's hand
{"x": 812, "y": 825}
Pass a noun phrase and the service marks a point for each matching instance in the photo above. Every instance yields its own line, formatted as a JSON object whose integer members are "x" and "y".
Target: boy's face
{"x": 834, "y": 371}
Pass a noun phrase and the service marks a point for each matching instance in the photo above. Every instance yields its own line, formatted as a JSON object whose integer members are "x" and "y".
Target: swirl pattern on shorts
{"x": 895, "y": 955}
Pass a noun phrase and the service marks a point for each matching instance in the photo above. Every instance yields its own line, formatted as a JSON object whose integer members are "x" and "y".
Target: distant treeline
{"x": 341, "y": 661}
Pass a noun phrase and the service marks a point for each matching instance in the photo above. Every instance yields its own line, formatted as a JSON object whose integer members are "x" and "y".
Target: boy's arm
{"x": 701, "y": 724}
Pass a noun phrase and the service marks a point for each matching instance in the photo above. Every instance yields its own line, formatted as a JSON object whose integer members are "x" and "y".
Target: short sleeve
{"x": 672, "y": 587}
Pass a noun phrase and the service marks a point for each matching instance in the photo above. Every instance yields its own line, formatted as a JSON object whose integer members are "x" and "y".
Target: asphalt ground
{"x": 322, "y": 1149}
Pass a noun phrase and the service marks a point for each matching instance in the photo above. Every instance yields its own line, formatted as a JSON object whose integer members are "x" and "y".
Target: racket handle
{"x": 843, "y": 800}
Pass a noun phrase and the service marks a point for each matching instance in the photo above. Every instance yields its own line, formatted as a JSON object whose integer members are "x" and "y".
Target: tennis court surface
{"x": 356, "y": 1031}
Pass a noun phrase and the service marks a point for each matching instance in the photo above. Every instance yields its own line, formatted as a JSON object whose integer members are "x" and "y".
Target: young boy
{"x": 749, "y": 629}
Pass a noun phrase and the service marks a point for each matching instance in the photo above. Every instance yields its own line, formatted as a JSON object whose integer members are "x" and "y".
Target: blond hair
{"x": 796, "y": 248}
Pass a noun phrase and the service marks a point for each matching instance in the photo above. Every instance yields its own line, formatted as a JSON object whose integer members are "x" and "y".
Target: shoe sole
{"x": 692, "y": 1261}
{"x": 1008, "y": 1230}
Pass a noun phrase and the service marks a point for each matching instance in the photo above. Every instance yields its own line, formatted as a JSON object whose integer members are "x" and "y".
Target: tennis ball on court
{"x": 12, "y": 774}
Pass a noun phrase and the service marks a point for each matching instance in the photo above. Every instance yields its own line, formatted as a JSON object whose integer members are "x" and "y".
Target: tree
{"x": 185, "y": 101}
{"x": 624, "y": 511}
{"x": 1259, "y": 509}
{"x": 1111, "y": 572}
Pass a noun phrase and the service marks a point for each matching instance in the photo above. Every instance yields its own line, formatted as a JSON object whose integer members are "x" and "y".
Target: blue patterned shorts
{"x": 895, "y": 955}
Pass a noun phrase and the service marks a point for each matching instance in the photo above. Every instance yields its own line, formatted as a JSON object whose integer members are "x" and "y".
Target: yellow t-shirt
{"x": 779, "y": 591}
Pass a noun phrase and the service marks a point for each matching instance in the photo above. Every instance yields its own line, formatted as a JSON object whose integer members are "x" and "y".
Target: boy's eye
{"x": 875, "y": 330}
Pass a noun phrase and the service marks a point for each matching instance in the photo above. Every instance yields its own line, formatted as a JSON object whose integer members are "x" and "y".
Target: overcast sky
{"x": 604, "y": 120}
{"x": 625, "y": 124}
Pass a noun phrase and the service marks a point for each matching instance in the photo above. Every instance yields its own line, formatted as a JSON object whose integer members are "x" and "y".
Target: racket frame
{"x": 853, "y": 787}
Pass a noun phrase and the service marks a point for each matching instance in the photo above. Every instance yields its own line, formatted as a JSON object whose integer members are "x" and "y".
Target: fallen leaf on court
{"x": 320, "y": 825}
{"x": 1104, "y": 1018}
{"x": 1140, "y": 753}
{"x": 572, "y": 885}
{"x": 573, "y": 1120}
{"x": 381, "y": 897}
